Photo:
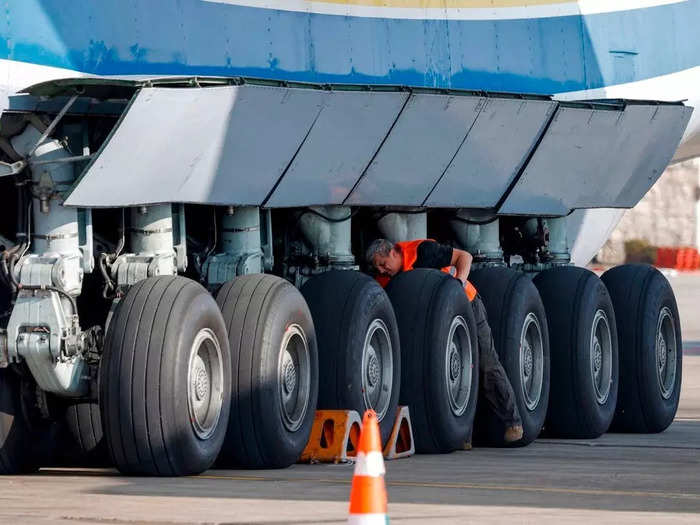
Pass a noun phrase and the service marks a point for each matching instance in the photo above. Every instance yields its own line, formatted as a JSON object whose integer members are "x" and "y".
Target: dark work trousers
{"x": 494, "y": 381}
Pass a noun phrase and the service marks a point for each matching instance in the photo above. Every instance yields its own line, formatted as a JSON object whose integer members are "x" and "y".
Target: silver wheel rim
{"x": 377, "y": 368}
{"x": 531, "y": 361}
{"x": 601, "y": 356}
{"x": 666, "y": 352}
{"x": 205, "y": 383}
{"x": 458, "y": 366}
{"x": 294, "y": 373}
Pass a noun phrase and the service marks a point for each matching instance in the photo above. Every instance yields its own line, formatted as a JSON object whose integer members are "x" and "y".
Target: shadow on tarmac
{"x": 619, "y": 472}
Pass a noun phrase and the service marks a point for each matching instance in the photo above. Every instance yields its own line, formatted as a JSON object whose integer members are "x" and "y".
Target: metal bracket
{"x": 152, "y": 231}
{"x": 5, "y": 243}
{"x": 241, "y": 230}
{"x": 4, "y": 354}
{"x": 7, "y": 169}
{"x": 268, "y": 258}
{"x": 85, "y": 238}
{"x": 180, "y": 237}
{"x": 55, "y": 237}
{"x": 53, "y": 124}
{"x": 48, "y": 338}
{"x": 63, "y": 160}
{"x": 129, "y": 269}
{"x": 46, "y": 186}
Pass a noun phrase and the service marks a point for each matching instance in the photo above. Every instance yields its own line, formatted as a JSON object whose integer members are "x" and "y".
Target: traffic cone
{"x": 368, "y": 492}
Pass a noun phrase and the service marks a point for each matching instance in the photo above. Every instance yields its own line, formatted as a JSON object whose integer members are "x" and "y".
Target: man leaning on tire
{"x": 389, "y": 259}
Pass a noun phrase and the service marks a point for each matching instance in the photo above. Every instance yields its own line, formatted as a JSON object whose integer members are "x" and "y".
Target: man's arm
{"x": 462, "y": 261}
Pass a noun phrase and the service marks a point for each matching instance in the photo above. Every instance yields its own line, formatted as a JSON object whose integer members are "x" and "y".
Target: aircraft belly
{"x": 597, "y": 158}
{"x": 342, "y": 142}
{"x": 493, "y": 153}
{"x": 418, "y": 150}
{"x": 261, "y": 145}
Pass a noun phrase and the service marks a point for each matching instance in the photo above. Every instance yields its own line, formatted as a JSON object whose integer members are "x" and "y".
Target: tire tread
{"x": 248, "y": 304}
{"x": 573, "y": 411}
{"x": 420, "y": 298}
{"x": 633, "y": 287}
{"x": 137, "y": 378}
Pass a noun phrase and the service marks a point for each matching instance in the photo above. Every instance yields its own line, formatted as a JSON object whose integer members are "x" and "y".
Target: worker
{"x": 389, "y": 259}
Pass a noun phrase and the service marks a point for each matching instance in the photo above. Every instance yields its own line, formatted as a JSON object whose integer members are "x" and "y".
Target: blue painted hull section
{"x": 191, "y": 37}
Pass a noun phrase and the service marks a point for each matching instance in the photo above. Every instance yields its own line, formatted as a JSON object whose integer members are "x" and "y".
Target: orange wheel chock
{"x": 400, "y": 443}
{"x": 334, "y": 438}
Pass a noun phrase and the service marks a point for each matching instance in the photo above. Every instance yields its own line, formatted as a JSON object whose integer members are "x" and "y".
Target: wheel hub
{"x": 666, "y": 352}
{"x": 458, "y": 366}
{"x": 455, "y": 363}
{"x": 205, "y": 383}
{"x": 527, "y": 357}
{"x": 377, "y": 371}
{"x": 663, "y": 353}
{"x": 201, "y": 379}
{"x": 373, "y": 369}
{"x": 290, "y": 374}
{"x": 531, "y": 361}
{"x": 601, "y": 356}
{"x": 294, "y": 377}
{"x": 597, "y": 356}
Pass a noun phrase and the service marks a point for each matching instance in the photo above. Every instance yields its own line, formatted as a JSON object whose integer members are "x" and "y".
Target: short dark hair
{"x": 378, "y": 247}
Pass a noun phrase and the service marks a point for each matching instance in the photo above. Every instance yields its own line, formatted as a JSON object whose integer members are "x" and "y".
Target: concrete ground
{"x": 617, "y": 478}
{"x": 687, "y": 289}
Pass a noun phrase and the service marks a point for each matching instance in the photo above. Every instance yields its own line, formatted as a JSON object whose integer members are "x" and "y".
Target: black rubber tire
{"x": 259, "y": 310}
{"x": 426, "y": 302}
{"x": 16, "y": 436}
{"x": 639, "y": 293}
{"x": 28, "y": 435}
{"x": 83, "y": 422}
{"x": 144, "y": 390}
{"x": 571, "y": 298}
{"x": 510, "y": 297}
{"x": 15, "y": 457}
{"x": 343, "y": 304}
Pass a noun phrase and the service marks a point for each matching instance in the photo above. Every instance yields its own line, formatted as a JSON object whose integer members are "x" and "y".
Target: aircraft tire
{"x": 650, "y": 342}
{"x": 17, "y": 455}
{"x": 274, "y": 372}
{"x": 165, "y": 379}
{"x": 583, "y": 352}
{"x": 439, "y": 356}
{"x": 83, "y": 422}
{"x": 358, "y": 339}
{"x": 519, "y": 326}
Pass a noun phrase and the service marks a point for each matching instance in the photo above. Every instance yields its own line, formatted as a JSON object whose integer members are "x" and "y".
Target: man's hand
{"x": 462, "y": 261}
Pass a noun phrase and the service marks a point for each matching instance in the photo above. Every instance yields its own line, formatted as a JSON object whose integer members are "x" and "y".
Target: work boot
{"x": 513, "y": 433}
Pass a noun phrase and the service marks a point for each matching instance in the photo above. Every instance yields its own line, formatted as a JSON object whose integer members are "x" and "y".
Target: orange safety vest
{"x": 409, "y": 249}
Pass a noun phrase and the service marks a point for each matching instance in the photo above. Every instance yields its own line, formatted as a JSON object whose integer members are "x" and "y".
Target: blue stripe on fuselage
{"x": 190, "y": 37}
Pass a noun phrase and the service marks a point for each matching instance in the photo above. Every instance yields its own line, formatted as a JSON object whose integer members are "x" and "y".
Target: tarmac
{"x": 621, "y": 478}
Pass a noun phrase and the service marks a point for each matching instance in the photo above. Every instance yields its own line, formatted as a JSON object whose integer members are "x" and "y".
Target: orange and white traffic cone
{"x": 368, "y": 493}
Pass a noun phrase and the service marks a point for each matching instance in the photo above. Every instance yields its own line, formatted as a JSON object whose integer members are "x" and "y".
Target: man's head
{"x": 384, "y": 257}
